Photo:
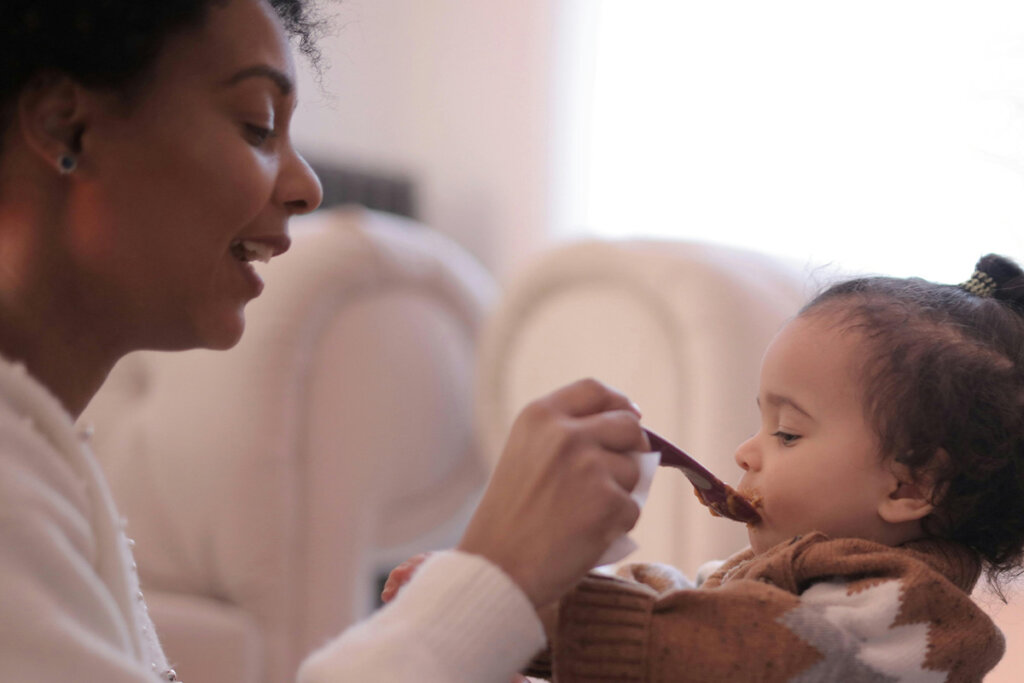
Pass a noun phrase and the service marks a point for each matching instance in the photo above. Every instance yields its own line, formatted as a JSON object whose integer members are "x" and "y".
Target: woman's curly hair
{"x": 110, "y": 43}
{"x": 944, "y": 388}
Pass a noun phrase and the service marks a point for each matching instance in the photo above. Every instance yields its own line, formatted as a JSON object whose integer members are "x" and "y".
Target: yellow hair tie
{"x": 980, "y": 284}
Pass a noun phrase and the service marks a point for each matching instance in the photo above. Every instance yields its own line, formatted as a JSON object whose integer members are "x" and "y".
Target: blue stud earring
{"x": 67, "y": 163}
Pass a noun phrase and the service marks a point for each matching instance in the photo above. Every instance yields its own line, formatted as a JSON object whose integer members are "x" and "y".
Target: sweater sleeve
{"x": 879, "y": 626}
{"x": 611, "y": 628}
{"x": 459, "y": 619}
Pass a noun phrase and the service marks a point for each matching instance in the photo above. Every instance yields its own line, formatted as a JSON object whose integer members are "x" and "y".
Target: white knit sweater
{"x": 71, "y": 609}
{"x": 70, "y": 606}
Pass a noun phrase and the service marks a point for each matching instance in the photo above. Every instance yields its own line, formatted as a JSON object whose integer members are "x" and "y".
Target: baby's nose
{"x": 746, "y": 455}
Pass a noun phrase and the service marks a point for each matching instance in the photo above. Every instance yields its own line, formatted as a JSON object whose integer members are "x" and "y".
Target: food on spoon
{"x": 722, "y": 499}
{"x": 734, "y": 505}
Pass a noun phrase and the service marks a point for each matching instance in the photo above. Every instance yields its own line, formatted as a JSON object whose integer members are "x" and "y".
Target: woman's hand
{"x": 560, "y": 493}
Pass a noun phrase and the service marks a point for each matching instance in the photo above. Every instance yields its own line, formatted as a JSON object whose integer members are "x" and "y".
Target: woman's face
{"x": 170, "y": 186}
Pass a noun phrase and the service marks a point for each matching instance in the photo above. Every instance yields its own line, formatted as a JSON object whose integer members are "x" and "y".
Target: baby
{"x": 889, "y": 465}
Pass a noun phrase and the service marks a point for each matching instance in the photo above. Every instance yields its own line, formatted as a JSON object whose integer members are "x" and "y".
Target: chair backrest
{"x": 337, "y": 438}
{"x": 680, "y": 327}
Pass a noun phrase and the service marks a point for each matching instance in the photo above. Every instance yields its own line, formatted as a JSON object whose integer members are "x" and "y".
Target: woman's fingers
{"x": 560, "y": 493}
{"x": 588, "y": 396}
{"x": 618, "y": 432}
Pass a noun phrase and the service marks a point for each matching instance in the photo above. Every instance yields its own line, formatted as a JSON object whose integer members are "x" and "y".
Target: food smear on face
{"x": 735, "y": 505}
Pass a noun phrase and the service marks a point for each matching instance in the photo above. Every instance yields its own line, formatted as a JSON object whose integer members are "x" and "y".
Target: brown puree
{"x": 732, "y": 502}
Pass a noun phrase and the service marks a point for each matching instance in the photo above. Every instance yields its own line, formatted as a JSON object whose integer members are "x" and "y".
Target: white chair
{"x": 269, "y": 487}
{"x": 679, "y": 326}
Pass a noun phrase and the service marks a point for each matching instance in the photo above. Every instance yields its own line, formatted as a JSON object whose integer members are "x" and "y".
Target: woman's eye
{"x": 785, "y": 438}
{"x": 258, "y": 135}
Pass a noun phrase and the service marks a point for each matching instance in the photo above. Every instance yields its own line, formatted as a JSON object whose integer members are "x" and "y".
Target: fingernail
{"x": 636, "y": 409}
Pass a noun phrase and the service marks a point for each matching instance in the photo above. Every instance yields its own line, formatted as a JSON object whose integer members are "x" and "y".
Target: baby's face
{"x": 815, "y": 461}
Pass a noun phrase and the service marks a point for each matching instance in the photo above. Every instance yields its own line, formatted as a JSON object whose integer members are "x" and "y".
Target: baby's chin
{"x": 757, "y": 545}
{"x": 763, "y": 537}
{"x": 761, "y": 540}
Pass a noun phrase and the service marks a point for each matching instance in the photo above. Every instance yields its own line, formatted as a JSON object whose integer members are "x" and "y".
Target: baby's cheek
{"x": 782, "y": 511}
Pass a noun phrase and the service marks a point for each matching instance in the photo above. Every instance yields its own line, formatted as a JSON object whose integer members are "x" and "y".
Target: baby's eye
{"x": 785, "y": 438}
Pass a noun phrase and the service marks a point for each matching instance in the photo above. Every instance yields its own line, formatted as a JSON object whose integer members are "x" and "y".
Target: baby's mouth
{"x": 250, "y": 250}
{"x": 756, "y": 501}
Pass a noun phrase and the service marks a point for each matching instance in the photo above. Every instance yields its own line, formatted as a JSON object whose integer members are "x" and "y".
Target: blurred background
{"x": 879, "y": 135}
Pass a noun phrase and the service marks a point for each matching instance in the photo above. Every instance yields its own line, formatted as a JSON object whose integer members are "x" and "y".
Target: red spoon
{"x": 723, "y": 499}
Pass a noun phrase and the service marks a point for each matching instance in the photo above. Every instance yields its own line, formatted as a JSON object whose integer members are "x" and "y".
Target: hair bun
{"x": 1005, "y": 274}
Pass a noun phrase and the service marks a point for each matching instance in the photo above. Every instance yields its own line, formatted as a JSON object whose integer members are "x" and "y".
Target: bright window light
{"x": 878, "y": 135}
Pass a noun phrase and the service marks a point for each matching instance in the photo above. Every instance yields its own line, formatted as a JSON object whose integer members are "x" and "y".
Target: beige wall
{"x": 454, "y": 92}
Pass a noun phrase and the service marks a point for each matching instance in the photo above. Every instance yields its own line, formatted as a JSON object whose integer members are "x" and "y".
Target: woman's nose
{"x": 298, "y": 186}
{"x": 747, "y": 456}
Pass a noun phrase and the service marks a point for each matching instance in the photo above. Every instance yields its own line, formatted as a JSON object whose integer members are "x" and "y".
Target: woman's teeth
{"x": 249, "y": 250}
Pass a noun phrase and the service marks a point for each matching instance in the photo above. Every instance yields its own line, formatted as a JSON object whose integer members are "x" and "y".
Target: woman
{"x": 145, "y": 160}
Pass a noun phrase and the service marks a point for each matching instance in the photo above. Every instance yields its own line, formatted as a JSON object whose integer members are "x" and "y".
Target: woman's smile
{"x": 182, "y": 178}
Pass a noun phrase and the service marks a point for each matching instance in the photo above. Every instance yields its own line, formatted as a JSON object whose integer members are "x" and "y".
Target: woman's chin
{"x": 228, "y": 337}
{"x": 221, "y": 333}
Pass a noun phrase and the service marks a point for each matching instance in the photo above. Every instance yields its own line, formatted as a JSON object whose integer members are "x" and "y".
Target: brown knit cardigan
{"x": 812, "y": 609}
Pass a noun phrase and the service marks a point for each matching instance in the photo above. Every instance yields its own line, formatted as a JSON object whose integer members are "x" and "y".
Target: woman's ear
{"x": 51, "y": 118}
{"x": 911, "y": 497}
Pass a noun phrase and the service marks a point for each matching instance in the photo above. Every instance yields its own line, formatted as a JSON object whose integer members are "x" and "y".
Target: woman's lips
{"x": 252, "y": 278}
{"x": 251, "y": 250}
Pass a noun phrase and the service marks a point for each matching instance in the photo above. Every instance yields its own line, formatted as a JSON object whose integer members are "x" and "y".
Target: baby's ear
{"x": 912, "y": 496}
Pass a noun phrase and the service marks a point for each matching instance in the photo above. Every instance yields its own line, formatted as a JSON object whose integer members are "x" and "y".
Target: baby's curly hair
{"x": 111, "y": 43}
{"x": 944, "y": 388}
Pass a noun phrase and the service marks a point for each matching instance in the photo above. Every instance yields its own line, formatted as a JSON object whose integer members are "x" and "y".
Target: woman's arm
{"x": 461, "y": 619}
{"x": 559, "y": 496}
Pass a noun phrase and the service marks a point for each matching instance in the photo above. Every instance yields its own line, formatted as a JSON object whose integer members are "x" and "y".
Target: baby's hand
{"x": 401, "y": 575}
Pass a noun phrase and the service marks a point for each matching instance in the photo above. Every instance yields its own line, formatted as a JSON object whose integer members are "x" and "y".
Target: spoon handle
{"x": 722, "y": 499}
